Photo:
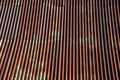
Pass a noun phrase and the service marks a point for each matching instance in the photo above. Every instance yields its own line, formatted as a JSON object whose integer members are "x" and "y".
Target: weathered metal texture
{"x": 60, "y": 39}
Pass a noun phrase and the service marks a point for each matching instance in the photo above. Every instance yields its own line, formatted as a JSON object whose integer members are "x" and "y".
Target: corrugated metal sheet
{"x": 60, "y": 39}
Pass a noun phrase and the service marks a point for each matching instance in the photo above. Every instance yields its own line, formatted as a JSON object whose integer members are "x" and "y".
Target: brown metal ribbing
{"x": 60, "y": 39}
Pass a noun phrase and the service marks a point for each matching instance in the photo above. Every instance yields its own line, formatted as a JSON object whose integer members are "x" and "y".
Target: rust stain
{"x": 60, "y": 39}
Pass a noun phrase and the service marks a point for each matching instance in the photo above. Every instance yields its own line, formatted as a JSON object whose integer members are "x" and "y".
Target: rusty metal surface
{"x": 60, "y": 39}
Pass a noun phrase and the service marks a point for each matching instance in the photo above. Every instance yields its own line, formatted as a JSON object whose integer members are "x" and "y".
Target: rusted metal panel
{"x": 60, "y": 39}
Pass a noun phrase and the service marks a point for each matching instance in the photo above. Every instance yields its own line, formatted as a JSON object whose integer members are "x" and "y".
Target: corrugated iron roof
{"x": 60, "y": 39}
